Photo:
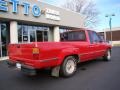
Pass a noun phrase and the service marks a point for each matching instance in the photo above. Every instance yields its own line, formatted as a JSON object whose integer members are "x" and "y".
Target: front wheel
{"x": 107, "y": 56}
{"x": 68, "y": 67}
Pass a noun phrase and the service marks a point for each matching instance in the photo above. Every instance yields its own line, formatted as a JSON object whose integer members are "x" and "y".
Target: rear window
{"x": 74, "y": 36}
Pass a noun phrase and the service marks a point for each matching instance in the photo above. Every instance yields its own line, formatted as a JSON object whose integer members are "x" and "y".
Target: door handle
{"x": 91, "y": 46}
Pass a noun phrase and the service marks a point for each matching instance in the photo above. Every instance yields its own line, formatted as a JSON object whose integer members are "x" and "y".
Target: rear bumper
{"x": 36, "y": 64}
{"x": 25, "y": 69}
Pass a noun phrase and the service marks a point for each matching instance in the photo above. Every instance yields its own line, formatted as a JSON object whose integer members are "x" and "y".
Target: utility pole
{"x": 110, "y": 26}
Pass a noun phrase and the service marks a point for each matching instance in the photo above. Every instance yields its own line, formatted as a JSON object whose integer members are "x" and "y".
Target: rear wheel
{"x": 68, "y": 67}
{"x": 107, "y": 56}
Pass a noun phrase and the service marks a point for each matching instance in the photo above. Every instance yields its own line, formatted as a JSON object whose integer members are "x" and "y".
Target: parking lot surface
{"x": 93, "y": 75}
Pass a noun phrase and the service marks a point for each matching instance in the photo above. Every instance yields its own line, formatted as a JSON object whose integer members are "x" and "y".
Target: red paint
{"x": 53, "y": 53}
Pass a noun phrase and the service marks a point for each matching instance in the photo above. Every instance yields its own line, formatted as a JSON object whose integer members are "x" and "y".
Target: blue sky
{"x": 108, "y": 7}
{"x": 104, "y": 7}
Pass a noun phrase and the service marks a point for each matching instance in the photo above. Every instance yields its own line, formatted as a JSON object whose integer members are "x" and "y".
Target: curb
{"x": 4, "y": 58}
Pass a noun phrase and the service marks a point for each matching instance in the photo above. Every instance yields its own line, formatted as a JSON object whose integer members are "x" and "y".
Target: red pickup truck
{"x": 75, "y": 47}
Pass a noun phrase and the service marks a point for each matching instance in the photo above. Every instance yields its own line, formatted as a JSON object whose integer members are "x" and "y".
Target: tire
{"x": 107, "y": 56}
{"x": 68, "y": 67}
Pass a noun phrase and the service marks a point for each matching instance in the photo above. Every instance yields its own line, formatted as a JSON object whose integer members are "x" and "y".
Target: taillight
{"x": 35, "y": 52}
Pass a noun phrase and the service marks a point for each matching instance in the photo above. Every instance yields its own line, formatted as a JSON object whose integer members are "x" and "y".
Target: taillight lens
{"x": 35, "y": 51}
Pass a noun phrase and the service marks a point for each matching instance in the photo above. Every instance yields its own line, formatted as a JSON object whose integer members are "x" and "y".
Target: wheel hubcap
{"x": 70, "y": 66}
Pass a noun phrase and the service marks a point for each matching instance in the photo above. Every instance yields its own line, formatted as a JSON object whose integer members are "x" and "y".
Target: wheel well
{"x": 75, "y": 56}
{"x": 109, "y": 49}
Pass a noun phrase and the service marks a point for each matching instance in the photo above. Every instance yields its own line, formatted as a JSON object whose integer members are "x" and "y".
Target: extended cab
{"x": 75, "y": 47}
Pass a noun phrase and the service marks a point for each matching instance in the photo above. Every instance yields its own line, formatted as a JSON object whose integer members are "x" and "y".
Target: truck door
{"x": 95, "y": 45}
{"x": 101, "y": 46}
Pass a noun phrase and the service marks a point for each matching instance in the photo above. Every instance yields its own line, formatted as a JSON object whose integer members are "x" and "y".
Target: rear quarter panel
{"x": 23, "y": 51}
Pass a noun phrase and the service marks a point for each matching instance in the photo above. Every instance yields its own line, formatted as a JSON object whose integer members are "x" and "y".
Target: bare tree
{"x": 85, "y": 7}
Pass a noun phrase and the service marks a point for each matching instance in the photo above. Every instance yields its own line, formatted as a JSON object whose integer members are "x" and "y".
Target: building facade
{"x": 25, "y": 21}
{"x": 113, "y": 35}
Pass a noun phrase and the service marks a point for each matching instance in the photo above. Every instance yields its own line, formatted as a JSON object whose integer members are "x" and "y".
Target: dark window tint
{"x": 74, "y": 36}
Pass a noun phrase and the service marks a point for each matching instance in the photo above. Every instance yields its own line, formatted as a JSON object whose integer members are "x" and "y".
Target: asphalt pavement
{"x": 93, "y": 75}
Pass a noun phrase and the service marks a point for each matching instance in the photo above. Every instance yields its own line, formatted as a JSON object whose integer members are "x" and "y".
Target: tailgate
{"x": 20, "y": 51}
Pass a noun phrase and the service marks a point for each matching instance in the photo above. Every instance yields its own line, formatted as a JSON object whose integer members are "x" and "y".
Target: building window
{"x": 27, "y": 33}
{"x": 45, "y": 36}
{"x": 32, "y": 33}
{"x": 3, "y": 39}
{"x": 20, "y": 33}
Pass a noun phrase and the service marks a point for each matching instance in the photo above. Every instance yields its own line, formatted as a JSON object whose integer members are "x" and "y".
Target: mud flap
{"x": 55, "y": 71}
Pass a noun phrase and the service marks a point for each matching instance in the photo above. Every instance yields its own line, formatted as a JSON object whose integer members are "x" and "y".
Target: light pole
{"x": 110, "y": 25}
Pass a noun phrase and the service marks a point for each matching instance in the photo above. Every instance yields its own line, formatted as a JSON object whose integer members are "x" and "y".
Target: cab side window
{"x": 96, "y": 38}
{"x": 93, "y": 36}
{"x": 90, "y": 36}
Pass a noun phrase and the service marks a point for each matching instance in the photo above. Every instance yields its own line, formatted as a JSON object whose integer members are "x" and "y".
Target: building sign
{"x": 52, "y": 14}
{"x": 36, "y": 11}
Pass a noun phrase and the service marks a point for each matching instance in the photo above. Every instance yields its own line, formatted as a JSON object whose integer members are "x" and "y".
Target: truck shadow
{"x": 46, "y": 73}
{"x": 87, "y": 64}
{"x": 43, "y": 78}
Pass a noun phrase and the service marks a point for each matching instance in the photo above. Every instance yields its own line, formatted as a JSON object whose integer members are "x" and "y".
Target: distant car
{"x": 75, "y": 47}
